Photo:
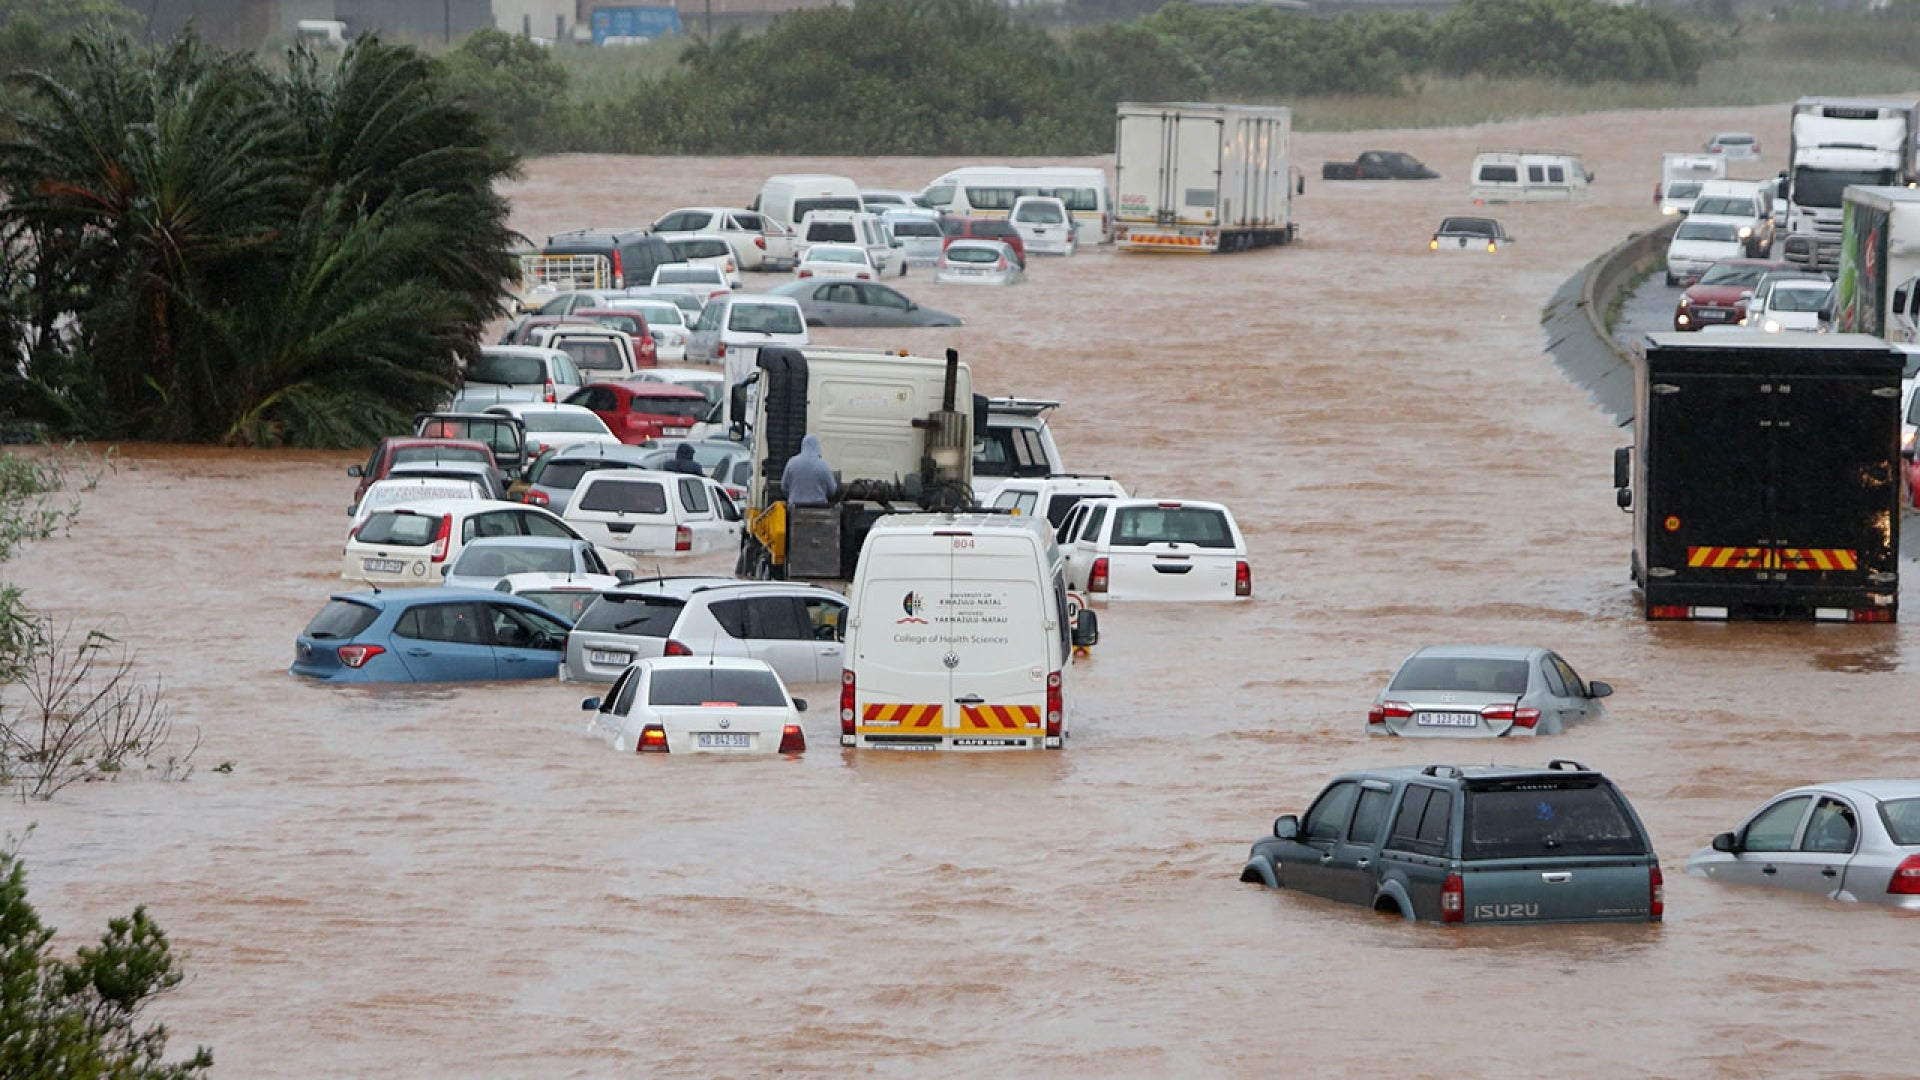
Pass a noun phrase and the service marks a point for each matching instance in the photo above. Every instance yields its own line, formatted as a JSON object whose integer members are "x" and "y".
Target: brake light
{"x": 1524, "y": 718}
{"x": 535, "y": 497}
{"x": 1870, "y": 615}
{"x": 619, "y": 274}
{"x": 547, "y": 394}
{"x": 760, "y": 242}
{"x": 1242, "y": 579}
{"x": 805, "y": 273}
{"x": 1396, "y": 710}
{"x": 1000, "y": 265}
{"x": 355, "y": 656}
{"x": 1906, "y": 878}
{"x": 1055, "y": 708}
{"x": 653, "y": 740}
{"x": 862, "y": 275}
{"x": 793, "y": 740}
{"x": 676, "y": 647}
{"x": 1097, "y": 577}
{"x": 441, "y": 538}
{"x": 1453, "y": 900}
{"x": 721, "y": 352}
{"x": 846, "y": 704}
{"x": 682, "y": 538}
{"x": 1656, "y": 893}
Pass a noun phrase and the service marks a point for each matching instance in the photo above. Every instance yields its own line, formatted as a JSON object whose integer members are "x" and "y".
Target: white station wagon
{"x": 1156, "y": 549}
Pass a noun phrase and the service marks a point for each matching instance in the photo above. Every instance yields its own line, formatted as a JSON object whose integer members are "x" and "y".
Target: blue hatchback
{"x": 430, "y": 635}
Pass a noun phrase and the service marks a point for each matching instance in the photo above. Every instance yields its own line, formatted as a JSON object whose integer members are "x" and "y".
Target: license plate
{"x": 1446, "y": 719}
{"x": 383, "y": 566}
{"x": 722, "y": 738}
{"x": 600, "y": 657}
{"x": 1710, "y": 315}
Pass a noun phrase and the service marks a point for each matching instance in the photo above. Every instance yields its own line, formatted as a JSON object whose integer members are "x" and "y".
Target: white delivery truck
{"x": 959, "y": 636}
{"x": 1680, "y": 178}
{"x": 1197, "y": 177}
{"x": 1839, "y": 143}
{"x": 1879, "y": 259}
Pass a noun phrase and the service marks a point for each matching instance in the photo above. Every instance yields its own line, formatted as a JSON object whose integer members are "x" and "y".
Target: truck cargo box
{"x": 1203, "y": 178}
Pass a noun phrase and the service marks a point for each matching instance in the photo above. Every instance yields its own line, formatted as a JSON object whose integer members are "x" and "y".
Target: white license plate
{"x": 383, "y": 566}
{"x": 600, "y": 657}
{"x": 1710, "y": 315}
{"x": 707, "y": 739}
{"x": 1446, "y": 719}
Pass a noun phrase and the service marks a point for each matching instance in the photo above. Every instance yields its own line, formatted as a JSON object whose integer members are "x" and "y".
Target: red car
{"x": 1715, "y": 298}
{"x": 399, "y": 450}
{"x": 973, "y": 228}
{"x": 638, "y": 411}
{"x": 645, "y": 352}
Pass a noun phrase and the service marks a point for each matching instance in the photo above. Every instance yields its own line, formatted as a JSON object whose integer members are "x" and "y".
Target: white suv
{"x": 1052, "y": 497}
{"x": 797, "y": 629}
{"x": 758, "y": 242}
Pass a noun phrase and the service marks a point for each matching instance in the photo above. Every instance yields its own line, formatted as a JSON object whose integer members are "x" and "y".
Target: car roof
{"x": 457, "y": 507}
{"x": 682, "y": 374}
{"x": 1122, "y": 504}
{"x": 537, "y": 408}
{"x": 543, "y": 352}
{"x": 1477, "y": 652}
{"x": 598, "y": 451}
{"x": 484, "y": 542}
{"x": 653, "y": 389}
{"x": 685, "y": 587}
{"x": 408, "y": 597}
{"x": 411, "y": 442}
{"x": 1443, "y": 771}
{"x": 1879, "y": 789}
{"x": 728, "y": 663}
{"x": 459, "y": 466}
{"x": 552, "y": 581}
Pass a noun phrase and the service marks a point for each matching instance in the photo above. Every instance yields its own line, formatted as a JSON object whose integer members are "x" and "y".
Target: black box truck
{"x": 1764, "y": 479}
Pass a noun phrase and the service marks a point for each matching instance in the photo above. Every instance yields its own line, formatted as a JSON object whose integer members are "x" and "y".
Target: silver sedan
{"x": 1456, "y": 690}
{"x": 1854, "y": 840}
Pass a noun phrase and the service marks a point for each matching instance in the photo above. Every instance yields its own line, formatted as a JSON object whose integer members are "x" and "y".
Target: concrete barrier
{"x": 1575, "y": 320}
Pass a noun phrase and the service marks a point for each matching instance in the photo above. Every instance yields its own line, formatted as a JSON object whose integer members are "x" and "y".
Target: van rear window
{"x": 697, "y": 686}
{"x": 1499, "y": 174}
{"x": 499, "y": 370}
{"x": 1536, "y": 817}
{"x": 618, "y": 495}
{"x": 830, "y": 232}
{"x": 1137, "y": 526}
{"x": 399, "y": 529}
{"x": 638, "y": 616}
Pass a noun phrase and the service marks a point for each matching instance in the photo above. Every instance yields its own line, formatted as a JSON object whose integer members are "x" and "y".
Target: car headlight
{"x": 1684, "y": 302}
{"x": 1746, "y": 231}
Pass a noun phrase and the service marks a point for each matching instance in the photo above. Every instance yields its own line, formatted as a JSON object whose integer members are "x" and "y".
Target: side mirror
{"x": 445, "y": 570}
{"x": 799, "y": 704}
{"x": 1300, "y": 186}
{"x": 355, "y": 470}
{"x": 1597, "y": 689}
{"x": 1623, "y": 498}
{"x": 1622, "y": 466}
{"x": 1086, "y": 629}
{"x": 1747, "y": 295}
{"x": 1286, "y": 827}
{"x": 1726, "y": 842}
{"x": 591, "y": 704}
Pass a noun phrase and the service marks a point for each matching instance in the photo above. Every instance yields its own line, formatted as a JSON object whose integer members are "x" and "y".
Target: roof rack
{"x": 1564, "y": 764}
{"x": 1437, "y": 771}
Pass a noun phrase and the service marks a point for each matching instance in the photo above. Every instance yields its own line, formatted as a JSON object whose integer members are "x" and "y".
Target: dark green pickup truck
{"x": 1472, "y": 844}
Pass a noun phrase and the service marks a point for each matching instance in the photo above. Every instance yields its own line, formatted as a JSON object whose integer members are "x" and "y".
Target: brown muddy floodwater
{"x": 455, "y": 882}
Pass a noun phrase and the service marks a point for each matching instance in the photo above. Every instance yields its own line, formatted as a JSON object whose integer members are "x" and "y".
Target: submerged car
{"x": 978, "y": 262}
{"x": 1852, "y": 840}
{"x": 486, "y": 559}
{"x": 860, "y": 303}
{"x": 698, "y": 705}
{"x": 1468, "y": 234}
{"x": 430, "y": 635}
{"x": 1470, "y": 844}
{"x": 1455, "y": 690}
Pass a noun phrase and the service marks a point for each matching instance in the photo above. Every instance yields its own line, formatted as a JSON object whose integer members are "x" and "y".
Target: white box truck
{"x": 1197, "y": 177}
{"x": 1839, "y": 143}
{"x": 1879, "y": 260}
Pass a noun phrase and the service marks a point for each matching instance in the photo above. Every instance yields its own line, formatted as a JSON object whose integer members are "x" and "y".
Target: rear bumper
{"x": 962, "y": 743}
{"x": 1771, "y": 603}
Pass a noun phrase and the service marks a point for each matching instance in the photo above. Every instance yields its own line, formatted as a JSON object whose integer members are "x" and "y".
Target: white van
{"x": 1524, "y": 176}
{"x": 959, "y": 636}
{"x": 991, "y": 191}
{"x": 855, "y": 227}
{"x": 642, "y": 512}
{"x": 791, "y": 196}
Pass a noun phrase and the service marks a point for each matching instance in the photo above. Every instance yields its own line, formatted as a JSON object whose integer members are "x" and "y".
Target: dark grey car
{"x": 836, "y": 302}
{"x": 1483, "y": 843}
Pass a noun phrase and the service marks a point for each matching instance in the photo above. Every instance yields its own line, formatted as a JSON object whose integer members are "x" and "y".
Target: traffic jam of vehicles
{"x": 870, "y": 520}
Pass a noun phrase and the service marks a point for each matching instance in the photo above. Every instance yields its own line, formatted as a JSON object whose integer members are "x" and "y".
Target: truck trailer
{"x": 1879, "y": 259}
{"x": 1203, "y": 178}
{"x": 1764, "y": 478}
{"x": 1837, "y": 143}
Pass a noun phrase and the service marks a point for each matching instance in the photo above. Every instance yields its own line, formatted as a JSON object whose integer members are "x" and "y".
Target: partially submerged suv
{"x": 1473, "y": 844}
{"x": 797, "y": 629}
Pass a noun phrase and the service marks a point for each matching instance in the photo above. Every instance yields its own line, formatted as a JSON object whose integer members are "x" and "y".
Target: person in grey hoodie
{"x": 808, "y": 479}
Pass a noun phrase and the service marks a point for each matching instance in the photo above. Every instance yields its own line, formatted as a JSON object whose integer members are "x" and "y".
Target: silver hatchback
{"x": 1483, "y": 690}
{"x": 796, "y": 628}
{"x": 1854, "y": 840}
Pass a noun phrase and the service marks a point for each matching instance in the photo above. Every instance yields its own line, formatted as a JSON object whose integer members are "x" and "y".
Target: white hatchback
{"x": 1156, "y": 549}
{"x": 641, "y": 512}
{"x": 741, "y": 322}
{"x": 551, "y": 426}
{"x": 836, "y": 261}
{"x": 698, "y": 705}
{"x": 416, "y": 543}
{"x": 1698, "y": 244}
{"x": 1044, "y": 223}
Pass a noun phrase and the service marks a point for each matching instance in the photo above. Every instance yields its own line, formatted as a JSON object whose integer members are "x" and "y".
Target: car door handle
{"x": 419, "y": 652}
{"x": 513, "y": 659}
{"x": 1829, "y": 872}
{"x": 1769, "y": 870}
{"x": 1557, "y": 878}
{"x": 970, "y": 699}
{"x": 1362, "y": 863}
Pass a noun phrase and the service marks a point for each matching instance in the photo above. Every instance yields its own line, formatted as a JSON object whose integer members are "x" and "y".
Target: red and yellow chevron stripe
{"x": 1757, "y": 558}
{"x": 901, "y": 716}
{"x": 1160, "y": 240}
{"x": 999, "y": 717}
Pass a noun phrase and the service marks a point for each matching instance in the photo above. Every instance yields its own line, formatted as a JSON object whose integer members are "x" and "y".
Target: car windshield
{"x": 639, "y": 616}
{"x": 1733, "y": 140}
{"x": 500, "y": 370}
{"x": 341, "y": 619}
{"x": 566, "y": 603}
{"x": 1547, "y": 817}
{"x": 399, "y": 529}
{"x": 1137, "y": 526}
{"x": 1465, "y": 674}
{"x": 1902, "y": 817}
{"x": 689, "y": 274}
{"x": 593, "y": 354}
{"x": 684, "y": 408}
{"x": 766, "y": 319}
{"x": 658, "y": 314}
{"x": 1040, "y": 214}
{"x": 700, "y": 249}
{"x": 563, "y": 474}
{"x": 1716, "y": 231}
{"x": 837, "y": 255}
{"x": 1724, "y": 206}
{"x": 499, "y": 560}
{"x": 972, "y": 253}
{"x": 1733, "y": 274}
{"x": 619, "y": 495}
{"x": 626, "y": 324}
{"x": 994, "y": 228}
{"x": 1459, "y": 226}
{"x": 565, "y": 421}
{"x": 1683, "y": 190}
{"x": 918, "y": 227}
{"x": 413, "y": 455}
{"x": 715, "y": 686}
{"x": 1797, "y": 297}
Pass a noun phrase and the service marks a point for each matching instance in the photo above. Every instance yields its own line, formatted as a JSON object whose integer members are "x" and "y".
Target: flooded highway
{"x": 454, "y": 881}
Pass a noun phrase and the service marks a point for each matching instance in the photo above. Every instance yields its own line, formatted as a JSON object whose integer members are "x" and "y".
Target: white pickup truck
{"x": 1156, "y": 549}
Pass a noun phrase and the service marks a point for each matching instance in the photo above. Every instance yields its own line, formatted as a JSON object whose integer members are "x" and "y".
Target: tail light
{"x": 682, "y": 538}
{"x": 1097, "y": 577}
{"x": 1055, "y": 708}
{"x": 546, "y": 395}
{"x": 1105, "y": 222}
{"x": 1870, "y": 615}
{"x": 619, "y": 273}
{"x": 729, "y": 266}
{"x": 1000, "y": 265}
{"x": 1242, "y": 579}
{"x": 1453, "y": 900}
{"x": 355, "y": 656}
{"x": 721, "y": 352}
{"x": 862, "y": 275}
{"x": 760, "y": 242}
{"x": 846, "y": 704}
{"x": 1521, "y": 718}
{"x": 535, "y": 497}
{"x": 793, "y": 740}
{"x": 1656, "y": 893}
{"x": 1386, "y": 710}
{"x": 1906, "y": 878}
{"x": 653, "y": 740}
{"x": 1656, "y": 194}
{"x": 805, "y": 273}
{"x": 676, "y": 647}
{"x": 441, "y": 538}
